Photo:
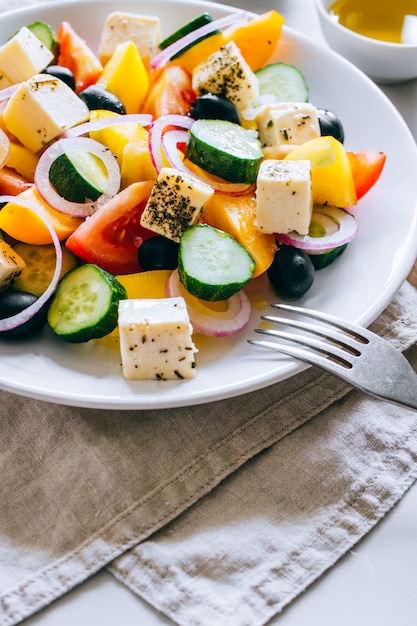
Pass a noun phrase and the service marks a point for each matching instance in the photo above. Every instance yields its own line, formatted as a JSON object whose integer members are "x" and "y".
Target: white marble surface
{"x": 373, "y": 585}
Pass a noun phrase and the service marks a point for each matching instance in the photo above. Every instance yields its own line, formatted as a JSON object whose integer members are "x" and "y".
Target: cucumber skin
{"x": 105, "y": 324}
{"x": 210, "y": 292}
{"x": 231, "y": 167}
{"x": 198, "y": 22}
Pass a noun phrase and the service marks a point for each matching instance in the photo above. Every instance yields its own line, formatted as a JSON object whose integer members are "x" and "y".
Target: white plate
{"x": 357, "y": 286}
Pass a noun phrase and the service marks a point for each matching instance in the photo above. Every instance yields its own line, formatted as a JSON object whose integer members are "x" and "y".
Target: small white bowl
{"x": 384, "y": 62}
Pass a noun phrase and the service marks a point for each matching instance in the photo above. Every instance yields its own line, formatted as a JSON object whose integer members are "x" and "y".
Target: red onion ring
{"x": 143, "y": 119}
{"x": 4, "y": 148}
{"x": 213, "y": 323}
{"x": 230, "y": 20}
{"x": 345, "y": 230}
{"x": 156, "y": 131}
{"x": 7, "y": 92}
{"x": 84, "y": 144}
{"x": 8, "y": 323}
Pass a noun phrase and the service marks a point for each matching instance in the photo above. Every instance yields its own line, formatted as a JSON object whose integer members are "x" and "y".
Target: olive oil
{"x": 394, "y": 21}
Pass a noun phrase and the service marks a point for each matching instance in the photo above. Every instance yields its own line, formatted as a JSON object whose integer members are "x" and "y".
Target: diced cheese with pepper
{"x": 284, "y": 197}
{"x": 227, "y": 72}
{"x": 11, "y": 265}
{"x": 42, "y": 108}
{"x": 156, "y": 339}
{"x": 22, "y": 56}
{"x": 287, "y": 123}
{"x": 176, "y": 201}
{"x": 142, "y": 30}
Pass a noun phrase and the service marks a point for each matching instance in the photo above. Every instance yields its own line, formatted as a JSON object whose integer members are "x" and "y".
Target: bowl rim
{"x": 379, "y": 43}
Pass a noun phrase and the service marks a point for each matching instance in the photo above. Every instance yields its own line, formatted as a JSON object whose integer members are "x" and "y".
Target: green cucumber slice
{"x": 40, "y": 266}
{"x": 78, "y": 176}
{"x": 211, "y": 264}
{"x": 225, "y": 149}
{"x": 284, "y": 81}
{"x": 191, "y": 26}
{"x": 85, "y": 304}
{"x": 45, "y": 33}
{"x": 322, "y": 260}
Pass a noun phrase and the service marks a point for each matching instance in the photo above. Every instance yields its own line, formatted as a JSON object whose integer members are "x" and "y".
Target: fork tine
{"x": 348, "y": 342}
{"x": 359, "y": 333}
{"x": 307, "y": 356}
{"x": 335, "y": 354}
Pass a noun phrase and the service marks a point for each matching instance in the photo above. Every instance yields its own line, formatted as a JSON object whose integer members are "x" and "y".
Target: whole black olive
{"x": 158, "y": 253}
{"x": 12, "y": 302}
{"x": 212, "y": 106}
{"x": 63, "y": 73}
{"x": 96, "y": 97}
{"x": 291, "y": 273}
{"x": 331, "y": 125}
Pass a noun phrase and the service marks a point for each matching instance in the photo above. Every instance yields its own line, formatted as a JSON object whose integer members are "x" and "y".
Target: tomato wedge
{"x": 12, "y": 183}
{"x": 110, "y": 238}
{"x": 367, "y": 166}
{"x": 77, "y": 56}
{"x": 171, "y": 92}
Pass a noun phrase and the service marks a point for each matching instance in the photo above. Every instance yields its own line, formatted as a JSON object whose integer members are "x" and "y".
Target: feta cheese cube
{"x": 41, "y": 109}
{"x": 287, "y": 123}
{"x": 23, "y": 56}
{"x": 142, "y": 30}
{"x": 11, "y": 265}
{"x": 156, "y": 339}
{"x": 176, "y": 201}
{"x": 227, "y": 72}
{"x": 284, "y": 197}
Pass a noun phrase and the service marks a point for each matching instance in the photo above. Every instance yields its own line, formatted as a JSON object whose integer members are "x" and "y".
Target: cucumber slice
{"x": 191, "y": 26}
{"x": 43, "y": 32}
{"x": 40, "y": 266}
{"x": 85, "y": 304}
{"x": 211, "y": 264}
{"x": 284, "y": 81}
{"x": 78, "y": 176}
{"x": 320, "y": 261}
{"x": 225, "y": 149}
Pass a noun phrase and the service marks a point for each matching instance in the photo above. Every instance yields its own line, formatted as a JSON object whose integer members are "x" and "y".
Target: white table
{"x": 373, "y": 585}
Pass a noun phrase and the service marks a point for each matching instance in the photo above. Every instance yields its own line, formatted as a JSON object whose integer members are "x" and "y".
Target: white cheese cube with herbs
{"x": 11, "y": 265}
{"x": 142, "y": 30}
{"x": 156, "y": 339}
{"x": 227, "y": 72}
{"x": 287, "y": 123}
{"x": 176, "y": 201}
{"x": 41, "y": 109}
{"x": 283, "y": 196}
{"x": 23, "y": 55}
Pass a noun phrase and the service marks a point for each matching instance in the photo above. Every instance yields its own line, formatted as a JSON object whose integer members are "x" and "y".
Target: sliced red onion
{"x": 4, "y": 148}
{"x": 171, "y": 139}
{"x": 213, "y": 323}
{"x": 80, "y": 144}
{"x": 8, "y": 323}
{"x": 340, "y": 227}
{"x": 143, "y": 119}
{"x": 7, "y": 92}
{"x": 235, "y": 19}
{"x": 156, "y": 131}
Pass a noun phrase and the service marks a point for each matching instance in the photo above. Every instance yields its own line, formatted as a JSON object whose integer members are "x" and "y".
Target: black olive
{"x": 63, "y": 73}
{"x": 12, "y": 302}
{"x": 331, "y": 125}
{"x": 158, "y": 253}
{"x": 291, "y": 273}
{"x": 96, "y": 97}
{"x": 212, "y": 106}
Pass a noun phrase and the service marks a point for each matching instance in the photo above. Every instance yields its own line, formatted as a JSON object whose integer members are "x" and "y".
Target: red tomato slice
{"x": 12, "y": 183}
{"x": 110, "y": 238}
{"x": 171, "y": 93}
{"x": 78, "y": 57}
{"x": 367, "y": 166}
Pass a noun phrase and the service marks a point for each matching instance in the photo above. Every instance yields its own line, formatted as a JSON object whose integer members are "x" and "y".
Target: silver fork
{"x": 355, "y": 354}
